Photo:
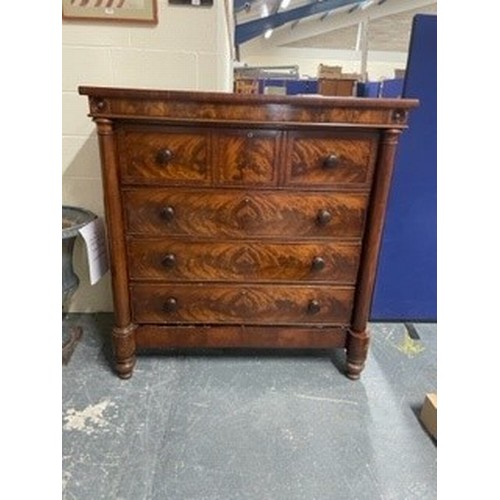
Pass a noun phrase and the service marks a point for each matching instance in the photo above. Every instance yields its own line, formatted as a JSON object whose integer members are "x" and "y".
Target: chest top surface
{"x": 266, "y": 110}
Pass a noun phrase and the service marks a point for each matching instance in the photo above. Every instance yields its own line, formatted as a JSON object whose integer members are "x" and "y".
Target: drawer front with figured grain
{"x": 237, "y": 304}
{"x": 177, "y": 260}
{"x": 163, "y": 155}
{"x": 335, "y": 160}
{"x": 240, "y": 214}
{"x": 246, "y": 157}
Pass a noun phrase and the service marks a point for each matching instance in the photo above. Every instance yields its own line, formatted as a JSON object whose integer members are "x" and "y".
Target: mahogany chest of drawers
{"x": 243, "y": 220}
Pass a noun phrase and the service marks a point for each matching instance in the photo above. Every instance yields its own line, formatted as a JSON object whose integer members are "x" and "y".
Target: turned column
{"x": 123, "y": 334}
{"x": 358, "y": 335}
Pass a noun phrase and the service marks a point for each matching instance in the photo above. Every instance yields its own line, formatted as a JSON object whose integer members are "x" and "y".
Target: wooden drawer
{"x": 246, "y": 157}
{"x": 336, "y": 160}
{"x": 158, "y": 155}
{"x": 177, "y": 260}
{"x": 252, "y": 305}
{"x": 236, "y": 214}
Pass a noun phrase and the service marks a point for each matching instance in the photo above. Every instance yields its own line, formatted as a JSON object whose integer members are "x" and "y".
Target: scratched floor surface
{"x": 249, "y": 426}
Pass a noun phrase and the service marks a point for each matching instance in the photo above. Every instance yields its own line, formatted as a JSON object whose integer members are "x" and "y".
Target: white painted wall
{"x": 189, "y": 49}
{"x": 380, "y": 64}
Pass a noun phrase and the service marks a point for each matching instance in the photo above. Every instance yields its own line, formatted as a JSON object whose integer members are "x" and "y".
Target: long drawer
{"x": 239, "y": 214}
{"x": 248, "y": 261}
{"x": 235, "y": 304}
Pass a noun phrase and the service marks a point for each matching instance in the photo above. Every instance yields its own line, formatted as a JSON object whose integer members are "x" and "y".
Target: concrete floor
{"x": 249, "y": 426}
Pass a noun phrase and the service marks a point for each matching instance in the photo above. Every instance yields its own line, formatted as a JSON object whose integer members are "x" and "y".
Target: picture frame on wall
{"x": 140, "y": 11}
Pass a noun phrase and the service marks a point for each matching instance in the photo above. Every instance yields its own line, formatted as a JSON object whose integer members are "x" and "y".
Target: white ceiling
{"x": 389, "y": 24}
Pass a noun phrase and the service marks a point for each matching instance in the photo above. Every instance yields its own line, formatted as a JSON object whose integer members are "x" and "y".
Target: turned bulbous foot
{"x": 354, "y": 369}
{"x": 357, "y": 351}
{"x": 125, "y": 368}
{"x": 124, "y": 350}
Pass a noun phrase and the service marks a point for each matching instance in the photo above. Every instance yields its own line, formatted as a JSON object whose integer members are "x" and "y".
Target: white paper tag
{"x": 95, "y": 240}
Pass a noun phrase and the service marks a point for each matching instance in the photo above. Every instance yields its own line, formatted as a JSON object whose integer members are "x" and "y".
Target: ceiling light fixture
{"x": 366, "y": 4}
{"x": 284, "y": 4}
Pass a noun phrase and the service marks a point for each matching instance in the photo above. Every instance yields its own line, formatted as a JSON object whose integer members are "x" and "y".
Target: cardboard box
{"x": 399, "y": 73}
{"x": 428, "y": 414}
{"x": 350, "y": 76}
{"x": 338, "y": 87}
{"x": 325, "y": 71}
{"x": 245, "y": 86}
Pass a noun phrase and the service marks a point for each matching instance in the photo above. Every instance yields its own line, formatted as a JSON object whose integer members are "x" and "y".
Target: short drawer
{"x": 237, "y": 214}
{"x": 252, "y": 305}
{"x": 163, "y": 155}
{"x": 316, "y": 159}
{"x": 246, "y": 157}
{"x": 177, "y": 260}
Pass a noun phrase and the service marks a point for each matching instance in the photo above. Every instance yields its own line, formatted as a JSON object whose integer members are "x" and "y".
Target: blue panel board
{"x": 272, "y": 82}
{"x": 368, "y": 89}
{"x": 406, "y": 282}
{"x": 392, "y": 88}
{"x": 294, "y": 87}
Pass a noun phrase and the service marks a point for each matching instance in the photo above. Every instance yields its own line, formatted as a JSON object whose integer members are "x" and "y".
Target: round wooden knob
{"x": 164, "y": 156}
{"x": 324, "y": 217}
{"x": 167, "y": 213}
{"x": 331, "y": 161}
{"x": 169, "y": 261}
{"x": 170, "y": 305}
{"x": 318, "y": 264}
{"x": 314, "y": 306}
